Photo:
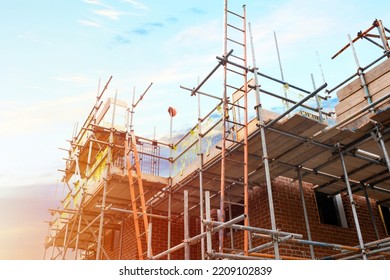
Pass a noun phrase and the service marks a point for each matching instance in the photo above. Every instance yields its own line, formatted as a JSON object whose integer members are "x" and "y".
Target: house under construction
{"x": 244, "y": 182}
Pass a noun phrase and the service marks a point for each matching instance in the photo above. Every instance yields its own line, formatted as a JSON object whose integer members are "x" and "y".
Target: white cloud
{"x": 89, "y": 23}
{"x": 97, "y": 3}
{"x": 109, "y": 13}
{"x": 136, "y": 4}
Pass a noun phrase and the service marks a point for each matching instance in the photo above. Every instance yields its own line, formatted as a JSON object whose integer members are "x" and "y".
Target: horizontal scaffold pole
{"x": 221, "y": 62}
{"x": 199, "y": 236}
{"x": 297, "y": 105}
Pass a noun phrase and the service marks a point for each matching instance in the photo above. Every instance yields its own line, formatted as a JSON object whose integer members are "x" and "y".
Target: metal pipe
{"x": 105, "y": 185}
{"x": 286, "y": 105}
{"x": 121, "y": 238}
{"x": 354, "y": 40}
{"x": 360, "y": 72}
{"x": 149, "y": 252}
{"x": 369, "y": 253}
{"x": 382, "y": 35}
{"x": 170, "y": 188}
{"x": 369, "y": 207}
{"x": 214, "y": 255}
{"x": 200, "y": 236}
{"x": 211, "y": 73}
{"x": 200, "y": 158}
{"x": 262, "y": 247}
{"x": 94, "y": 109}
{"x": 208, "y": 217}
{"x": 132, "y": 112}
{"x": 54, "y": 244}
{"x": 142, "y": 96}
{"x": 184, "y": 151}
{"x": 351, "y": 117}
{"x": 270, "y": 244}
{"x": 336, "y": 179}
{"x": 377, "y": 135}
{"x": 297, "y": 105}
{"x": 257, "y": 230}
{"x": 201, "y": 93}
{"x": 202, "y": 119}
{"x": 138, "y": 213}
{"x": 307, "y": 223}
{"x": 319, "y": 108}
{"x": 342, "y": 83}
{"x": 78, "y": 234}
{"x": 96, "y": 238}
{"x": 377, "y": 242}
{"x": 353, "y": 206}
{"x": 311, "y": 243}
{"x": 90, "y": 224}
{"x": 373, "y": 42}
{"x": 153, "y": 141}
{"x": 230, "y": 217}
{"x": 186, "y": 227}
{"x": 212, "y": 111}
{"x": 278, "y": 81}
{"x": 259, "y": 113}
{"x": 277, "y": 51}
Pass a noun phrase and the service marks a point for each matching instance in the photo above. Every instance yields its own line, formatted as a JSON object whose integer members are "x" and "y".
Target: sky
{"x": 54, "y": 52}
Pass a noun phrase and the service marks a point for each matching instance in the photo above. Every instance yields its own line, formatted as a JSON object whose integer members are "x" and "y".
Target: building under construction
{"x": 244, "y": 182}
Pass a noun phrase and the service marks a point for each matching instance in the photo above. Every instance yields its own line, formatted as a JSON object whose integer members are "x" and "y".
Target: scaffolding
{"x": 210, "y": 172}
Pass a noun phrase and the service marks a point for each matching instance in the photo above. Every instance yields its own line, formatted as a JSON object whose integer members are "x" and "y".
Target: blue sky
{"x": 53, "y": 53}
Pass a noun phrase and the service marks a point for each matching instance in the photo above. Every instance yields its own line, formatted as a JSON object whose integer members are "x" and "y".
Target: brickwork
{"x": 289, "y": 218}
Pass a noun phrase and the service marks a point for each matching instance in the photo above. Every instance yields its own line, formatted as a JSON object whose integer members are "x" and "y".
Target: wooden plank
{"x": 298, "y": 125}
{"x": 365, "y": 117}
{"x": 378, "y": 89}
{"x": 370, "y": 76}
{"x": 274, "y": 139}
{"x": 383, "y": 116}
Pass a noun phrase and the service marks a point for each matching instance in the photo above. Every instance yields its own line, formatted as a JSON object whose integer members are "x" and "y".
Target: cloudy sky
{"x": 53, "y": 53}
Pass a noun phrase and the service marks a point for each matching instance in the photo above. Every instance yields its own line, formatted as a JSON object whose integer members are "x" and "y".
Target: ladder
{"x": 235, "y": 114}
{"x": 141, "y": 233}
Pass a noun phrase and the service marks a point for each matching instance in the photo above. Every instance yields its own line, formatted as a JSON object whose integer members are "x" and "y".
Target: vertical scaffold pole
{"x": 382, "y": 35}
{"x": 200, "y": 156}
{"x": 361, "y": 73}
{"x": 172, "y": 113}
{"x": 149, "y": 252}
{"x": 259, "y": 112}
{"x": 352, "y": 202}
{"x": 186, "y": 227}
{"x": 208, "y": 218}
{"x": 377, "y": 136}
{"x": 65, "y": 245}
{"x": 305, "y": 212}
{"x": 121, "y": 237}
{"x": 285, "y": 86}
{"x": 318, "y": 100}
{"x": 54, "y": 243}
{"x": 369, "y": 207}
{"x": 79, "y": 226}
{"x": 105, "y": 185}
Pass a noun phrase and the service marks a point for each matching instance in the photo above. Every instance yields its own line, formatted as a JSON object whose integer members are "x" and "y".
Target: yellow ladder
{"x": 141, "y": 235}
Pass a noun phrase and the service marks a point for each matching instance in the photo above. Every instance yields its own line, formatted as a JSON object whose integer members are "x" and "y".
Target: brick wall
{"x": 289, "y": 218}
